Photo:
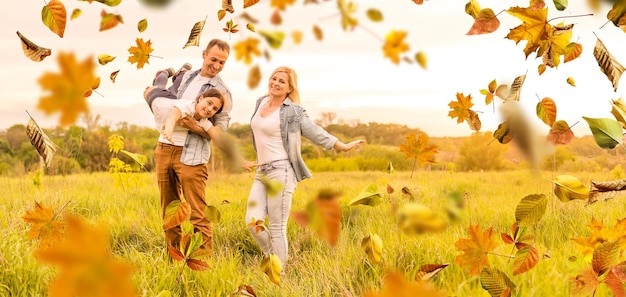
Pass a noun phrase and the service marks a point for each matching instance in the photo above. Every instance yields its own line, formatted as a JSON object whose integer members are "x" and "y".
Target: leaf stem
{"x": 604, "y": 24}
{"x": 569, "y": 16}
{"x": 153, "y": 56}
{"x": 60, "y": 209}
{"x": 570, "y": 127}
{"x": 501, "y": 11}
{"x": 371, "y": 33}
{"x": 495, "y": 254}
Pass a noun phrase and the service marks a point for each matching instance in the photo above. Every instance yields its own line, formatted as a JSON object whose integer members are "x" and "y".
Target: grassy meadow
{"x": 131, "y": 210}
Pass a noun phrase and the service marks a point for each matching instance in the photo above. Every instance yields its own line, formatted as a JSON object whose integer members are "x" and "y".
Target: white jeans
{"x": 276, "y": 208}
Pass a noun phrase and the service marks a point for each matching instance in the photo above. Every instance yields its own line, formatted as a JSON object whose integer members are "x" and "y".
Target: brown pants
{"x": 174, "y": 176}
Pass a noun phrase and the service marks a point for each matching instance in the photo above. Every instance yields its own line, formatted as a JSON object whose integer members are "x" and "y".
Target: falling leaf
{"x": 472, "y": 8}
{"x": 140, "y": 53}
{"x": 605, "y": 259}
{"x": 231, "y": 27}
{"x": 67, "y": 88}
{"x": 573, "y": 51}
{"x": 212, "y": 214}
{"x": 546, "y": 111}
{"x": 250, "y": 27}
{"x": 608, "y": 64}
{"x": 618, "y": 109}
{"x": 347, "y": 9}
{"x": 415, "y": 218}
{"x": 94, "y": 86}
{"x": 272, "y": 266}
{"x": 394, "y": 285}
{"x": 281, "y": 4}
{"x": 248, "y": 3}
{"x": 104, "y": 59}
{"x": 460, "y": 108}
{"x": 175, "y": 213}
{"x": 475, "y": 249}
{"x": 390, "y": 189}
{"x": 254, "y": 77}
{"x": 85, "y": 263}
{"x": 516, "y": 88}
{"x": 567, "y": 188}
{"x": 227, "y": 5}
{"x": 76, "y": 13}
{"x": 275, "y": 18}
{"x": 537, "y": 4}
{"x": 602, "y": 191}
{"x": 541, "y": 37}
{"x": 428, "y": 271}
{"x": 421, "y": 59}
{"x": 617, "y": 13}
{"x": 606, "y": 132}
{"x": 530, "y": 209}
{"x": 473, "y": 121}
{"x": 560, "y": 133}
{"x": 54, "y": 16}
{"x": 297, "y": 37}
{"x": 571, "y": 81}
{"x": 33, "y": 51}
{"x": 598, "y": 234}
{"x": 496, "y": 282}
{"x": 317, "y": 32}
{"x": 368, "y": 196}
{"x": 541, "y": 69}
{"x": 322, "y": 215}
{"x": 113, "y": 75}
{"x": 274, "y": 39}
{"x": 248, "y": 18}
{"x": 246, "y": 49}
{"x": 418, "y": 148}
{"x": 374, "y": 15}
{"x": 106, "y": 2}
{"x": 109, "y": 20}
{"x": 272, "y": 186}
{"x": 142, "y": 25}
{"x": 372, "y": 245}
{"x": 485, "y": 22}
{"x": 418, "y": 2}
{"x": 407, "y": 191}
{"x": 221, "y": 14}
{"x": 194, "y": 35}
{"x": 489, "y": 92}
{"x": 44, "y": 224}
{"x": 560, "y": 4}
{"x": 390, "y": 168}
{"x": 503, "y": 134}
{"x": 395, "y": 45}
{"x": 42, "y": 143}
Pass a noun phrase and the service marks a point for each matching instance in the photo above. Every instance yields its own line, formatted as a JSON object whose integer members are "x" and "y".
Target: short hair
{"x": 221, "y": 44}
{"x": 213, "y": 93}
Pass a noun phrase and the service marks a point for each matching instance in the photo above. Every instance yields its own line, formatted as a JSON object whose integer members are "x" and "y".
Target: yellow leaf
{"x": 317, "y": 32}
{"x": 571, "y": 81}
{"x": 227, "y": 5}
{"x": 374, "y": 15}
{"x": 54, "y": 16}
{"x": 250, "y": 27}
{"x": 415, "y": 218}
{"x": 248, "y": 3}
{"x": 281, "y": 4}
{"x": 104, "y": 59}
{"x": 347, "y": 11}
{"x": 421, "y": 59}
{"x": 541, "y": 69}
{"x": 33, "y": 51}
{"x": 274, "y": 39}
{"x": 272, "y": 266}
{"x": 246, "y": 49}
{"x": 254, "y": 77}
{"x": 272, "y": 186}
{"x": 472, "y": 8}
{"x": 395, "y": 45}
{"x": 140, "y": 53}
{"x": 297, "y": 37}
{"x": 194, "y": 35}
{"x": 322, "y": 215}
{"x": 475, "y": 249}
{"x": 109, "y": 20}
{"x": 221, "y": 14}
{"x": 567, "y": 188}
{"x": 372, "y": 245}
{"x": 67, "y": 88}
{"x": 460, "y": 108}
{"x": 44, "y": 225}
{"x": 394, "y": 285}
{"x": 419, "y": 149}
{"x": 368, "y": 196}
{"x": 76, "y": 13}
{"x": 142, "y": 25}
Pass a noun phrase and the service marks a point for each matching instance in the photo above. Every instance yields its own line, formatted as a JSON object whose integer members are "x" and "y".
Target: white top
{"x": 269, "y": 143}
{"x": 163, "y": 106}
{"x": 194, "y": 87}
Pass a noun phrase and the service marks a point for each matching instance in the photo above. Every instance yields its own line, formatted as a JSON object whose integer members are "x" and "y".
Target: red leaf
{"x": 197, "y": 265}
{"x": 175, "y": 253}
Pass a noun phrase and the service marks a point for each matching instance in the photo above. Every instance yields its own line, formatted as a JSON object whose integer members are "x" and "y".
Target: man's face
{"x": 214, "y": 60}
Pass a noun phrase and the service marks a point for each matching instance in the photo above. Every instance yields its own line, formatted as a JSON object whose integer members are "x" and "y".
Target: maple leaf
{"x": 395, "y": 45}
{"x": 475, "y": 249}
{"x": 394, "y": 285}
{"x": 598, "y": 234}
{"x": 539, "y": 34}
{"x": 605, "y": 260}
{"x": 281, "y": 4}
{"x": 246, "y": 49}
{"x": 460, "y": 108}
{"x": 45, "y": 226}
{"x": 419, "y": 149}
{"x": 68, "y": 88}
{"x": 85, "y": 263}
{"x": 140, "y": 53}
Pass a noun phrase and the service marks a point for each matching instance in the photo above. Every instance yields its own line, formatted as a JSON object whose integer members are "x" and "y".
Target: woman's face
{"x": 279, "y": 85}
{"x": 207, "y": 107}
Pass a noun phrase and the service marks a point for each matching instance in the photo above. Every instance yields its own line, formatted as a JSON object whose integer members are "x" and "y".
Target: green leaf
{"x": 194, "y": 244}
{"x": 560, "y": 4}
{"x": 390, "y": 168}
{"x": 606, "y": 132}
{"x": 139, "y": 160}
{"x": 525, "y": 259}
{"x": 274, "y": 39}
{"x": 272, "y": 266}
{"x": 142, "y": 25}
{"x": 373, "y": 247}
{"x": 530, "y": 210}
{"x": 567, "y": 188}
{"x": 369, "y": 196}
{"x": 175, "y": 213}
{"x": 212, "y": 214}
{"x": 495, "y": 281}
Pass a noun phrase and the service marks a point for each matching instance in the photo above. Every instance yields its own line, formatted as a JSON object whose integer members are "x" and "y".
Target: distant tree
{"x": 480, "y": 152}
{"x": 326, "y": 119}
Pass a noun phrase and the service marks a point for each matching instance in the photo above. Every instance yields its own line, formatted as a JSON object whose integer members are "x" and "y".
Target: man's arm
{"x": 193, "y": 126}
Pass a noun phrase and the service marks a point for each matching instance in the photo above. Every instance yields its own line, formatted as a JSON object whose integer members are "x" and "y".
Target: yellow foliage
{"x": 246, "y": 49}
{"x": 140, "y": 53}
{"x": 395, "y": 45}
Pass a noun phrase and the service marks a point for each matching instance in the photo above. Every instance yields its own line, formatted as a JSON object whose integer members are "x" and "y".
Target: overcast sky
{"x": 345, "y": 73}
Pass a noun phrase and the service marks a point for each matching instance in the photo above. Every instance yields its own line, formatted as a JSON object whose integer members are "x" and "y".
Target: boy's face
{"x": 207, "y": 107}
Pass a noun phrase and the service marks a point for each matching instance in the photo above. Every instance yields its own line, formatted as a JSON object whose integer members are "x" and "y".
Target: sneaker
{"x": 169, "y": 72}
{"x": 186, "y": 67}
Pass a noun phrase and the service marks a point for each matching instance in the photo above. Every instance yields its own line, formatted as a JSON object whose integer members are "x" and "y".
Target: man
{"x": 182, "y": 164}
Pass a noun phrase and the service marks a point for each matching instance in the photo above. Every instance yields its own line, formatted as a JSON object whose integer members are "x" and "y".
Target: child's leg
{"x": 160, "y": 80}
{"x": 177, "y": 78}
{"x": 152, "y": 93}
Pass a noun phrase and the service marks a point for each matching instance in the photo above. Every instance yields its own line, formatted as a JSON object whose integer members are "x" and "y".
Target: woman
{"x": 277, "y": 124}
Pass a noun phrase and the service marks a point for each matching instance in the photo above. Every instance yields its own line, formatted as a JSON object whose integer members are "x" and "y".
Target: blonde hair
{"x": 294, "y": 95}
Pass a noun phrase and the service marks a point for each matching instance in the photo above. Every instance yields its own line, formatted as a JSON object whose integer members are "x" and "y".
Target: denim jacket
{"x": 294, "y": 122}
{"x": 197, "y": 149}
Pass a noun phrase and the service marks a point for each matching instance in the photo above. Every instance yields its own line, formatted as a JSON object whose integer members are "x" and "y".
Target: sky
{"x": 345, "y": 73}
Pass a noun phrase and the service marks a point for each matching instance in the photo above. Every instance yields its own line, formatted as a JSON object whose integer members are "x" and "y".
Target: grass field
{"x": 130, "y": 208}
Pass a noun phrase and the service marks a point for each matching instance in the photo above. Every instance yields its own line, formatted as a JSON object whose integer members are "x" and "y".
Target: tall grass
{"x": 131, "y": 209}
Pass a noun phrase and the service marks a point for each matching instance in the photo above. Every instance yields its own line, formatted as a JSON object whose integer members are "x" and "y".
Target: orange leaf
{"x": 318, "y": 33}
{"x": 560, "y": 133}
{"x": 254, "y": 77}
{"x": 418, "y": 2}
{"x": 67, "y": 88}
{"x": 109, "y": 20}
{"x": 175, "y": 254}
{"x": 322, "y": 215}
{"x": 54, "y": 16}
{"x": 460, "y": 108}
{"x": 231, "y": 27}
{"x": 395, "y": 45}
{"x": 525, "y": 259}
{"x": 573, "y": 51}
{"x": 281, "y": 4}
{"x": 428, "y": 271}
{"x": 140, "y": 53}
{"x": 197, "y": 265}
{"x": 475, "y": 249}
{"x": 43, "y": 224}
{"x": 394, "y": 285}
{"x": 485, "y": 22}
{"x": 546, "y": 111}
{"x": 541, "y": 69}
{"x": 297, "y": 37}
{"x": 275, "y": 18}
{"x": 221, "y": 14}
{"x": 248, "y": 3}
{"x": 419, "y": 149}
{"x": 175, "y": 213}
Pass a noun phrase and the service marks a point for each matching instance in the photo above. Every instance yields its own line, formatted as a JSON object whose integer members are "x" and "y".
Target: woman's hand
{"x": 348, "y": 146}
{"x": 248, "y": 165}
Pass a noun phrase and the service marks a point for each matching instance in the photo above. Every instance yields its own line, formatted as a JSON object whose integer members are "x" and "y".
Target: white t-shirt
{"x": 267, "y": 133}
{"x": 194, "y": 87}
{"x": 162, "y": 108}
